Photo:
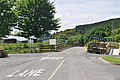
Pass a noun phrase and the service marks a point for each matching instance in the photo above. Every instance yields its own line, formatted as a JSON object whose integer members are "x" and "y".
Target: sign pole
{"x": 112, "y": 30}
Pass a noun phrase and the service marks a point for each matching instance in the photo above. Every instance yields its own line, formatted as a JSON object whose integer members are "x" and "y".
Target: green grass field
{"x": 114, "y": 60}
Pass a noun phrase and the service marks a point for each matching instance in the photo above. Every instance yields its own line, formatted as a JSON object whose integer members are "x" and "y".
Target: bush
{"x": 3, "y": 54}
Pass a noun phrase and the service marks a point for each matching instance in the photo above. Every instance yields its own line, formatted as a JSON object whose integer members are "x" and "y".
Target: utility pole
{"x": 113, "y": 30}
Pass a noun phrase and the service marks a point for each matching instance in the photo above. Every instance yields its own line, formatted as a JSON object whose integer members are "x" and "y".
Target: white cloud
{"x": 87, "y": 16}
{"x": 114, "y": 16}
{"x": 77, "y": 12}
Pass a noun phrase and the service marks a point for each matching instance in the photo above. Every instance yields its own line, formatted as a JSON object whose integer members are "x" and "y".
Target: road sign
{"x": 98, "y": 38}
{"x": 52, "y": 41}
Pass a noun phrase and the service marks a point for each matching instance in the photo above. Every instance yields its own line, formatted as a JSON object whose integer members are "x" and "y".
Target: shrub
{"x": 3, "y": 54}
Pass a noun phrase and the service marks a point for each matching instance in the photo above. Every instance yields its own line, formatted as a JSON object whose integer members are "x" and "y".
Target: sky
{"x": 79, "y": 12}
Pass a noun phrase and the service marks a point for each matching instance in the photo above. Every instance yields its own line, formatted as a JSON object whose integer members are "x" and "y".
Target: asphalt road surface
{"x": 70, "y": 64}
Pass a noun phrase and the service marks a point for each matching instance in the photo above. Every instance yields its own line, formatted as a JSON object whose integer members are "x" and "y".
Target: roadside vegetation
{"x": 113, "y": 60}
{"x": 3, "y": 53}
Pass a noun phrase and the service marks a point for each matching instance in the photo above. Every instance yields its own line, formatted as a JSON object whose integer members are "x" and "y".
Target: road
{"x": 71, "y": 64}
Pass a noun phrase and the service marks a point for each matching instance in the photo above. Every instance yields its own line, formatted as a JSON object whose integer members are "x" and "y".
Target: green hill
{"x": 107, "y": 23}
{"x": 83, "y": 33}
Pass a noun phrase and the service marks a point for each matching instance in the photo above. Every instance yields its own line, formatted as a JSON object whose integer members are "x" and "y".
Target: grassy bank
{"x": 113, "y": 60}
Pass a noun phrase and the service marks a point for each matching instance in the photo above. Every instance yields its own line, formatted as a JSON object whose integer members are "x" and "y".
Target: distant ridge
{"x": 83, "y": 33}
{"x": 106, "y": 23}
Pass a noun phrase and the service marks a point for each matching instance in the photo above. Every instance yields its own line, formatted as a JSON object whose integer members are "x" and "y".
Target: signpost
{"x": 52, "y": 42}
{"x": 98, "y": 38}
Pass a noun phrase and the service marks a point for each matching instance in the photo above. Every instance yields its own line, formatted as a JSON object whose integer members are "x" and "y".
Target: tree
{"x": 37, "y": 17}
{"x": 7, "y": 16}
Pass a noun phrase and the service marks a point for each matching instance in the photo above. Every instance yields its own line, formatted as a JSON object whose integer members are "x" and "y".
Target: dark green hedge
{"x": 3, "y": 54}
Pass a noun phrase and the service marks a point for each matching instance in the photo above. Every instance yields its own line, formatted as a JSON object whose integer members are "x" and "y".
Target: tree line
{"x": 31, "y": 17}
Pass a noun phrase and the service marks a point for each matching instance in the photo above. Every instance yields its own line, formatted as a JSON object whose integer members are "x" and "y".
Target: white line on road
{"x": 51, "y": 58}
{"x": 56, "y": 70}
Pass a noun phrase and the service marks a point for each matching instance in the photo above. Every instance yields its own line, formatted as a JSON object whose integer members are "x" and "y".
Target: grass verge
{"x": 113, "y": 60}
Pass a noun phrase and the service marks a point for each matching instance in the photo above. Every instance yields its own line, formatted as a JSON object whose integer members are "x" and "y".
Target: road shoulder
{"x": 104, "y": 61}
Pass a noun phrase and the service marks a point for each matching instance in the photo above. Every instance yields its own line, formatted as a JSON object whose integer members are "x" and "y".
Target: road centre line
{"x": 56, "y": 70}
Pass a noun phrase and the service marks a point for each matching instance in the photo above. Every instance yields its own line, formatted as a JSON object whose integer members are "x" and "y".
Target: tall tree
{"x": 7, "y": 16}
{"x": 37, "y": 17}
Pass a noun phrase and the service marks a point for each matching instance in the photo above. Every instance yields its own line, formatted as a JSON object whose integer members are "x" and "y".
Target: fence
{"x": 35, "y": 48}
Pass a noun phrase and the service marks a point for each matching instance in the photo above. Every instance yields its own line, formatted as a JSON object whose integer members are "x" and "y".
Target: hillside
{"x": 83, "y": 33}
{"x": 106, "y": 23}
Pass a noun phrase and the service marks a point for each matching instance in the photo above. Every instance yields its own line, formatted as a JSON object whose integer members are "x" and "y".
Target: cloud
{"x": 113, "y": 17}
{"x": 77, "y": 12}
{"x": 87, "y": 16}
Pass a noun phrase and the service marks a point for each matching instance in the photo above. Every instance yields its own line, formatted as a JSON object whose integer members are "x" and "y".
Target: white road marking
{"x": 56, "y": 70}
{"x": 25, "y": 73}
{"x": 12, "y": 74}
{"x": 51, "y": 58}
{"x": 39, "y": 72}
{"x": 30, "y": 73}
{"x": 22, "y": 73}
